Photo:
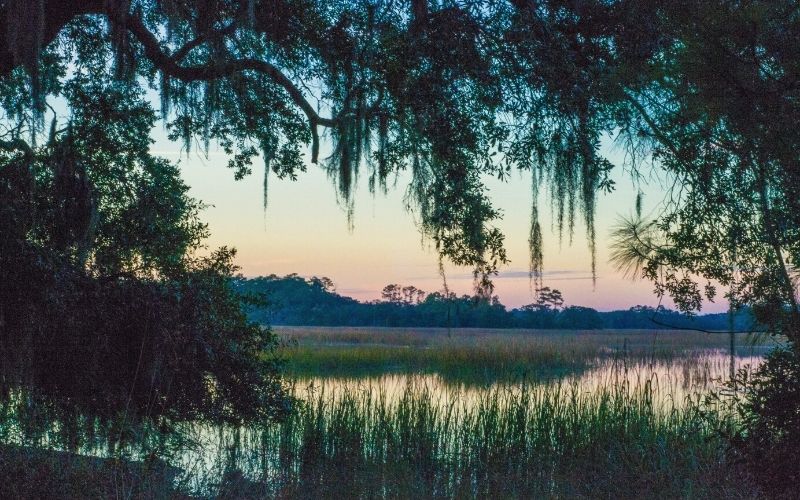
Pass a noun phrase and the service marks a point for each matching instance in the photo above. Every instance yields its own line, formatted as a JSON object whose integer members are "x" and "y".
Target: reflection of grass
{"x": 545, "y": 441}
{"x": 476, "y": 354}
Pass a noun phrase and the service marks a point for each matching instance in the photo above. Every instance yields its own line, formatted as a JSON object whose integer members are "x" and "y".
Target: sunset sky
{"x": 305, "y": 231}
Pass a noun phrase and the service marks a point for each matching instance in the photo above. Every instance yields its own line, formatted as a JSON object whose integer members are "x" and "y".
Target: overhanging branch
{"x": 59, "y": 12}
{"x": 172, "y": 68}
{"x": 181, "y": 53}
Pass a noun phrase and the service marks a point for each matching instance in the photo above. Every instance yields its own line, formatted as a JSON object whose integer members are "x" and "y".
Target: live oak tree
{"x": 452, "y": 93}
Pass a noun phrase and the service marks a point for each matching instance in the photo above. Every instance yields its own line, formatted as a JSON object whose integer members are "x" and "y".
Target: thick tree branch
{"x": 172, "y": 68}
{"x": 181, "y": 53}
{"x": 60, "y": 12}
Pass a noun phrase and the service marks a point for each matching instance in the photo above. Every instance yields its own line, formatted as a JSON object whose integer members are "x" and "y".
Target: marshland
{"x": 481, "y": 355}
{"x": 555, "y": 173}
{"x": 476, "y": 413}
{"x": 471, "y": 413}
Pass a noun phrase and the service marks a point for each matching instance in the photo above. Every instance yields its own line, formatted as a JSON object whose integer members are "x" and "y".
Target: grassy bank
{"x": 481, "y": 355}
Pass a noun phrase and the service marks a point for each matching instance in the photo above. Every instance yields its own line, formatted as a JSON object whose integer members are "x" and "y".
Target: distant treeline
{"x": 294, "y": 300}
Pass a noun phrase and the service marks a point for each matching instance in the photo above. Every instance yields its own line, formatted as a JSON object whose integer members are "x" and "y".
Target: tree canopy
{"x": 457, "y": 91}
{"x": 451, "y": 92}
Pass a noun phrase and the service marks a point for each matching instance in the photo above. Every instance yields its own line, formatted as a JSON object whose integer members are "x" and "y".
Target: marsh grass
{"x": 549, "y": 441}
{"x": 481, "y": 356}
{"x": 427, "y": 430}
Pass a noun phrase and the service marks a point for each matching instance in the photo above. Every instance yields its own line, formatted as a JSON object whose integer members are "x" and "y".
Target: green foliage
{"x": 768, "y": 404}
{"x": 538, "y": 442}
{"x": 452, "y": 93}
{"x": 109, "y": 306}
{"x": 718, "y": 112}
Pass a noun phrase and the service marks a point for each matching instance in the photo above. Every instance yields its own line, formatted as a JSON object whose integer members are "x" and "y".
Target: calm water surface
{"x": 671, "y": 384}
{"x": 671, "y": 381}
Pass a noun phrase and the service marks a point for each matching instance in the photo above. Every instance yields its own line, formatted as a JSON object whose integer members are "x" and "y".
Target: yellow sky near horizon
{"x": 305, "y": 231}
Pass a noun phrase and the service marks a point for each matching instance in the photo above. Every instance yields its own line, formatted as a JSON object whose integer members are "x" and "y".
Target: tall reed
{"x": 528, "y": 442}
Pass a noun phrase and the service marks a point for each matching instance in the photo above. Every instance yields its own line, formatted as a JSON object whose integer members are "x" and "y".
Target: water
{"x": 672, "y": 380}
{"x": 672, "y": 385}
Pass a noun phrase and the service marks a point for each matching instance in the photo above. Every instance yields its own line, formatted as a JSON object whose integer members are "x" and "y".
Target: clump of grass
{"x": 532, "y": 442}
{"x": 477, "y": 355}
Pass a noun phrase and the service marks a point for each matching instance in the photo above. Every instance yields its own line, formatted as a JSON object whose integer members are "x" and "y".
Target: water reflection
{"x": 207, "y": 452}
{"x": 672, "y": 380}
{"x": 668, "y": 385}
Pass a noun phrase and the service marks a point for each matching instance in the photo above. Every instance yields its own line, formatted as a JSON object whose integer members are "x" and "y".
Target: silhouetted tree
{"x": 107, "y": 308}
{"x": 392, "y": 293}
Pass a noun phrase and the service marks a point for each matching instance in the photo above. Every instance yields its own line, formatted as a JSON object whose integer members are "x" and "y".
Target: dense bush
{"x": 770, "y": 410}
{"x": 109, "y": 304}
